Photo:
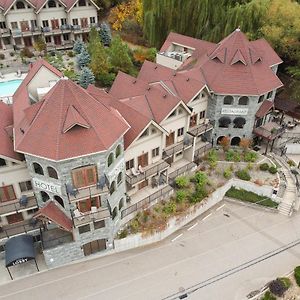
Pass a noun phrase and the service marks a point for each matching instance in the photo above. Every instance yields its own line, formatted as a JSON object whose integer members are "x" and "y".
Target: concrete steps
{"x": 285, "y": 208}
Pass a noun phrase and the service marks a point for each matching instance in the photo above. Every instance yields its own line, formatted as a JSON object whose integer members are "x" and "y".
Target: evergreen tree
{"x": 105, "y": 34}
{"x": 86, "y": 77}
{"x": 119, "y": 56}
{"x": 94, "y": 40}
{"x": 83, "y": 59}
{"x": 78, "y": 45}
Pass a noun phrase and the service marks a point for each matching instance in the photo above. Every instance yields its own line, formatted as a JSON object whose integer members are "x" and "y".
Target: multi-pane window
{"x": 155, "y": 152}
{"x": 48, "y": 39}
{"x": 7, "y": 193}
{"x": 92, "y": 20}
{"x": 129, "y": 164}
{"x": 63, "y": 21}
{"x": 180, "y": 131}
{"x": 84, "y": 176}
{"x": 202, "y": 114}
{"x": 45, "y": 23}
{"x": 75, "y": 21}
{"x": 2, "y": 25}
{"x": 14, "y": 25}
{"x": 84, "y": 228}
{"x": 25, "y": 186}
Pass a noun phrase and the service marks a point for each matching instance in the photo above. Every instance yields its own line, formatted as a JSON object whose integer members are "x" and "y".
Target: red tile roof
{"x": 65, "y": 106}
{"x": 264, "y": 108}
{"x": 6, "y": 142}
{"x": 234, "y": 66}
{"x": 52, "y": 212}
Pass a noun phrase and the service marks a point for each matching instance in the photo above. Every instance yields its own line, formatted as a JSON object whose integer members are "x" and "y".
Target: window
{"x": 84, "y": 228}
{"x": 7, "y": 193}
{"x": 75, "y": 22}
{"x": 51, "y": 3}
{"x": 32, "y": 211}
{"x": 48, "y": 39}
{"x": 180, "y": 111}
{"x": 224, "y": 122}
{"x": 2, "y": 162}
{"x": 81, "y": 3}
{"x": 239, "y": 122}
{"x": 110, "y": 159}
{"x": 14, "y": 25}
{"x": 2, "y": 25}
{"x": 270, "y": 94}
{"x": 52, "y": 172}
{"x": 14, "y": 218}
{"x": 66, "y": 37}
{"x": 129, "y": 164}
{"x": 92, "y": 20}
{"x": 180, "y": 131}
{"x": 59, "y": 200}
{"x": 63, "y": 21}
{"x": 243, "y": 100}
{"x": 261, "y": 98}
{"x": 202, "y": 114}
{"x": 45, "y": 23}
{"x": 145, "y": 133}
{"x": 193, "y": 120}
{"x": 112, "y": 188}
{"x": 84, "y": 176}
{"x": 118, "y": 151}
{"x": 228, "y": 100}
{"x": 99, "y": 224}
{"x": 178, "y": 154}
{"x": 37, "y": 168}
{"x": 114, "y": 213}
{"x": 44, "y": 196}
{"x": 172, "y": 114}
{"x": 153, "y": 130}
{"x": 155, "y": 152}
{"x": 25, "y": 186}
{"x": 119, "y": 178}
{"x": 121, "y": 204}
{"x": 20, "y": 5}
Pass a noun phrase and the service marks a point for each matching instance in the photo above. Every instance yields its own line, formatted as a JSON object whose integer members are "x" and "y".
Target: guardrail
{"x": 171, "y": 150}
{"x": 16, "y": 206}
{"x": 181, "y": 170}
{"x": 146, "y": 201}
{"x": 200, "y": 129}
{"x": 202, "y": 149}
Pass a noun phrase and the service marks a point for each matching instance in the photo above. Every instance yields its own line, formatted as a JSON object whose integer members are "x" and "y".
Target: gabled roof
{"x": 7, "y": 4}
{"x": 6, "y": 142}
{"x": 64, "y": 106}
{"x": 235, "y": 66}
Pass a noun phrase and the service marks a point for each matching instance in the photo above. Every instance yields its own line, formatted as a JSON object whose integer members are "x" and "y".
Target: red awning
{"x": 264, "y": 108}
{"x": 53, "y": 213}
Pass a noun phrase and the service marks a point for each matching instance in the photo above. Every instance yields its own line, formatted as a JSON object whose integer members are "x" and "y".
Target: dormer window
{"x": 82, "y": 3}
{"x": 20, "y": 5}
{"x": 51, "y": 3}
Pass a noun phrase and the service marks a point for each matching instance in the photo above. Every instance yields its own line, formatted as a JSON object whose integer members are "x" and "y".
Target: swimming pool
{"x": 7, "y": 88}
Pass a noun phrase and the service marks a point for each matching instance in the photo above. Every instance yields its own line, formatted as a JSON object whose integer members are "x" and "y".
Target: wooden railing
{"x": 200, "y": 129}
{"x": 15, "y": 206}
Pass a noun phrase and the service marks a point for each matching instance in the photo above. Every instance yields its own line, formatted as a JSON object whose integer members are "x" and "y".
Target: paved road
{"x": 215, "y": 245}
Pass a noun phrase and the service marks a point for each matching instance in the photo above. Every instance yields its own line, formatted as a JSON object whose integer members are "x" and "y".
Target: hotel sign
{"x": 46, "y": 186}
{"x": 234, "y": 111}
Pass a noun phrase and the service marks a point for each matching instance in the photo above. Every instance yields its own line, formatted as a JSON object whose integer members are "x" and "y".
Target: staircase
{"x": 289, "y": 196}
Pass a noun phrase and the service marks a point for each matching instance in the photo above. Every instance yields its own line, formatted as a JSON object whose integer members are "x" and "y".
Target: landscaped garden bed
{"x": 251, "y": 197}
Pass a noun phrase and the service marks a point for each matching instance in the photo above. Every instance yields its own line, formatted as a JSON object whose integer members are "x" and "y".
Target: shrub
{"x": 169, "y": 208}
{"x": 134, "y": 226}
{"x": 200, "y": 178}
{"x": 297, "y": 275}
{"x": 243, "y": 174}
{"x": 71, "y": 54}
{"x": 236, "y": 157}
{"x": 182, "y": 182}
{"x": 229, "y": 155}
{"x": 107, "y": 79}
{"x": 268, "y": 296}
{"x": 123, "y": 234}
{"x": 198, "y": 195}
{"x": 212, "y": 158}
{"x": 286, "y": 281}
{"x": 25, "y": 52}
{"x": 250, "y": 156}
{"x": 264, "y": 167}
{"x": 227, "y": 173}
{"x": 2, "y": 56}
{"x": 291, "y": 163}
{"x": 272, "y": 170}
{"x": 277, "y": 287}
{"x": 181, "y": 196}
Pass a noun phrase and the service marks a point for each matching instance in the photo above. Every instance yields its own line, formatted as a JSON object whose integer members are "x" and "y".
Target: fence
{"x": 146, "y": 201}
{"x": 181, "y": 171}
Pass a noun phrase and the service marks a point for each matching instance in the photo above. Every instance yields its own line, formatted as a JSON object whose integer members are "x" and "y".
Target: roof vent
{"x": 134, "y": 81}
{"x": 238, "y": 29}
{"x": 174, "y": 74}
{"x": 22, "y": 130}
{"x": 155, "y": 67}
{"x": 165, "y": 95}
{"x": 188, "y": 79}
{"x": 148, "y": 88}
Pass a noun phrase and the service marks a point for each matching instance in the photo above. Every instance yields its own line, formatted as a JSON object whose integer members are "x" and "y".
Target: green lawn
{"x": 244, "y": 195}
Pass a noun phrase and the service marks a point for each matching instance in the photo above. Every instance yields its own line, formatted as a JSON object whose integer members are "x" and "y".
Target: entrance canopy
{"x": 18, "y": 250}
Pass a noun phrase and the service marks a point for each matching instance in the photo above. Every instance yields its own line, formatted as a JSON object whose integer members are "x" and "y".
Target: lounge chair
{"x": 134, "y": 172}
{"x": 141, "y": 170}
{"x": 94, "y": 209}
{"x": 78, "y": 215}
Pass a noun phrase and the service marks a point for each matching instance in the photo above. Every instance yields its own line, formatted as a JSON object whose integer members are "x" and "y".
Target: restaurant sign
{"x": 46, "y": 186}
{"x": 234, "y": 111}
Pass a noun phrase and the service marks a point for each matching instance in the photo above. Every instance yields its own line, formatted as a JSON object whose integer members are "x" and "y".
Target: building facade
{"x": 58, "y": 22}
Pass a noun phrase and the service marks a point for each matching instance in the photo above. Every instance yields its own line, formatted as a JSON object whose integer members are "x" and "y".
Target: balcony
{"x": 175, "y": 148}
{"x": 180, "y": 167}
{"x": 15, "y": 206}
{"x": 149, "y": 171}
{"x": 200, "y": 129}
{"x": 16, "y": 32}
{"x": 269, "y": 131}
{"x": 88, "y": 217}
{"x": 46, "y": 29}
{"x": 4, "y": 31}
{"x": 201, "y": 148}
{"x": 87, "y": 192}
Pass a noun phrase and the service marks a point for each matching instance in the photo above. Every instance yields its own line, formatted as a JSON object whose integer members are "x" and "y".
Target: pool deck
{"x": 12, "y": 76}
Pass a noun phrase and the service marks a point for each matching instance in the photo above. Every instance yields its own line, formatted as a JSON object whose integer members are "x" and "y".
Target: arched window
{"x": 118, "y": 151}
{"x": 38, "y": 169}
{"x": 239, "y": 122}
{"x": 115, "y": 212}
{"x": 20, "y": 5}
{"x": 110, "y": 159}
{"x": 235, "y": 141}
{"x": 119, "y": 179}
{"x": 219, "y": 139}
{"x": 224, "y": 122}
{"x": 45, "y": 196}
{"x": 121, "y": 204}
{"x": 112, "y": 188}
{"x": 52, "y": 172}
{"x": 228, "y": 100}
{"x": 243, "y": 100}
{"x": 59, "y": 200}
{"x": 51, "y": 3}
